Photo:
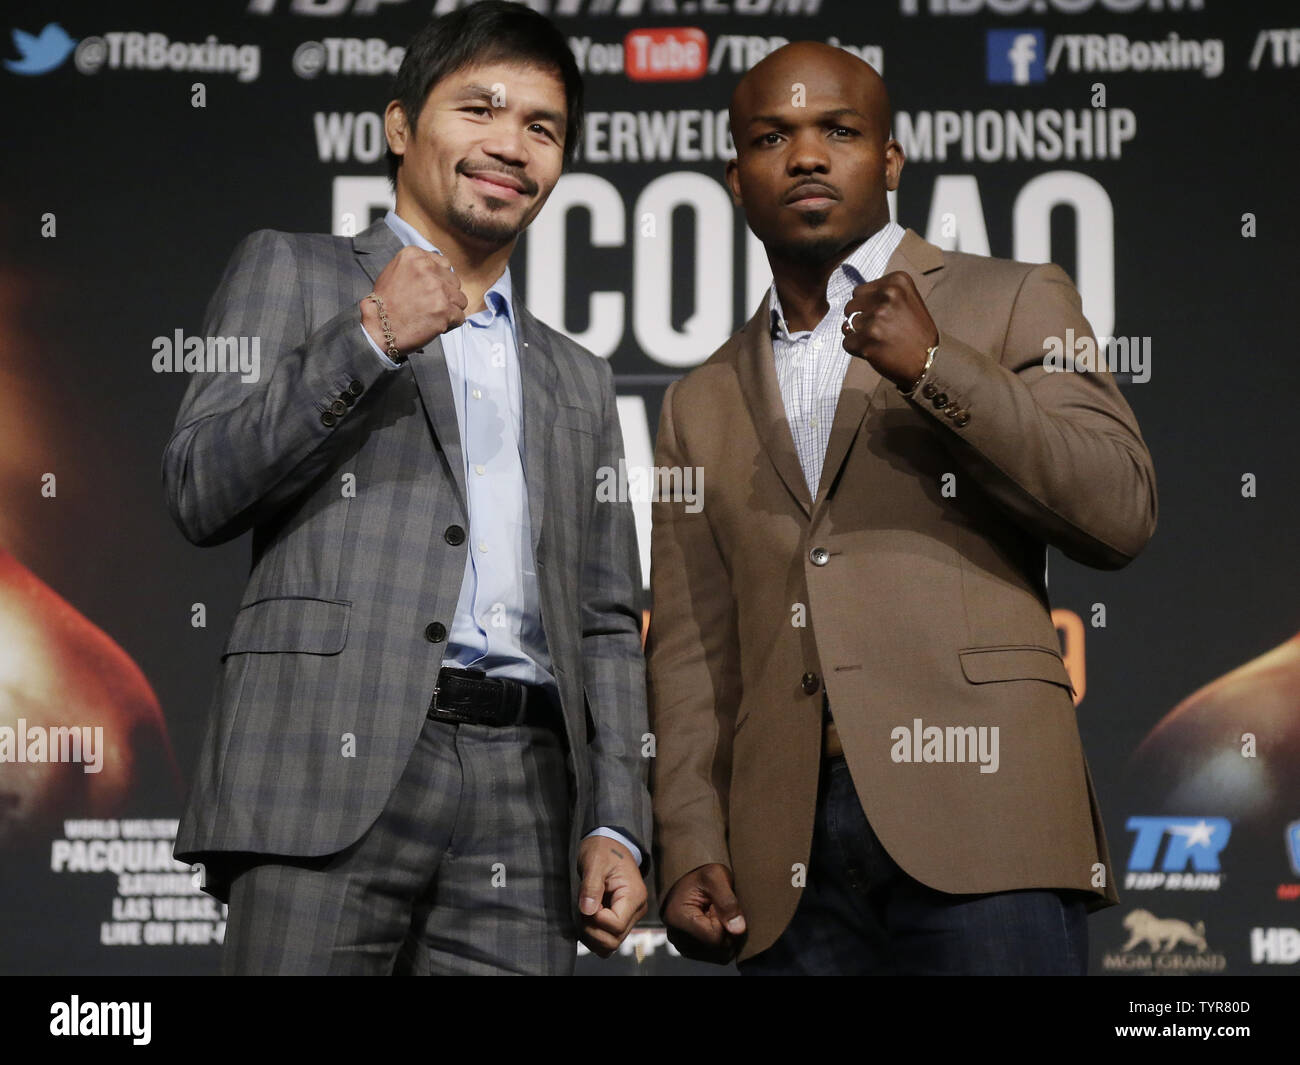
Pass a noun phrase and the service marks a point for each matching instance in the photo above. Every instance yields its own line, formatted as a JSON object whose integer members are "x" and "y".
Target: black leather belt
{"x": 470, "y": 696}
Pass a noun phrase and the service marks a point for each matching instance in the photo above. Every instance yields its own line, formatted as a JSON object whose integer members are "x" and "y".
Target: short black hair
{"x": 483, "y": 32}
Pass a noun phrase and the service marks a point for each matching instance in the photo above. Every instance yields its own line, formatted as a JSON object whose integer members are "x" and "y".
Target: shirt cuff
{"x": 380, "y": 351}
{"x": 636, "y": 851}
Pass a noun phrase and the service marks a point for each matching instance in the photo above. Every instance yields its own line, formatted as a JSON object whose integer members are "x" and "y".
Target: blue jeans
{"x": 860, "y": 914}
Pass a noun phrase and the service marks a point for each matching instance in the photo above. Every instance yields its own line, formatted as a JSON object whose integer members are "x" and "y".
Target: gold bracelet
{"x": 389, "y": 338}
{"x": 929, "y": 361}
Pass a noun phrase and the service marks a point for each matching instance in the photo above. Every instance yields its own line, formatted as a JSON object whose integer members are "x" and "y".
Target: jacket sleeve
{"x": 694, "y": 678}
{"x": 1060, "y": 451}
{"x": 241, "y": 449}
{"x": 612, "y": 661}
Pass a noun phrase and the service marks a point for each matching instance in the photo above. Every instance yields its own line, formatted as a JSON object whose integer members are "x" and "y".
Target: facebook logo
{"x": 1017, "y": 57}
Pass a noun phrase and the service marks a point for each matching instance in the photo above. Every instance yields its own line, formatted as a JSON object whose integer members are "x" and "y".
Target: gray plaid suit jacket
{"x": 330, "y": 640}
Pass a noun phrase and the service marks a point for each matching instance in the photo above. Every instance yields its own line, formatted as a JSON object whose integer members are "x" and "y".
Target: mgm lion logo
{"x": 1145, "y": 927}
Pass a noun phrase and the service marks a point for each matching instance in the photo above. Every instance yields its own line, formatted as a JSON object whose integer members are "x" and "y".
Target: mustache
{"x": 467, "y": 168}
{"x": 814, "y": 181}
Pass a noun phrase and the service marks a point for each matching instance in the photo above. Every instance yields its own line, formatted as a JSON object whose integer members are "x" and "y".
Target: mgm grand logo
{"x": 1163, "y": 946}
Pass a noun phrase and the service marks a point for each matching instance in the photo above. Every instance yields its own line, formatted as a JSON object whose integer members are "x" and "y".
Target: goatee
{"x": 488, "y": 228}
{"x": 812, "y": 249}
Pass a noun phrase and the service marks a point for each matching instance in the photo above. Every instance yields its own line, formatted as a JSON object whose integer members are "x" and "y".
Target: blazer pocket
{"x": 290, "y": 624}
{"x": 584, "y": 421}
{"x": 982, "y": 665}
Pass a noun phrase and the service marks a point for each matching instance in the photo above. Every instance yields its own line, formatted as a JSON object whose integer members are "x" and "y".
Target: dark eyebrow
{"x": 475, "y": 92}
{"x": 479, "y": 92}
{"x": 840, "y": 112}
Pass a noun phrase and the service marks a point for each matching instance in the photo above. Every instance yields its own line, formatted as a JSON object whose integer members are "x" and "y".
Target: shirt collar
{"x": 498, "y": 297}
{"x": 852, "y": 268}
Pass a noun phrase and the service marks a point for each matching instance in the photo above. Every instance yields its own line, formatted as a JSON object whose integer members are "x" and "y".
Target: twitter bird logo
{"x": 40, "y": 54}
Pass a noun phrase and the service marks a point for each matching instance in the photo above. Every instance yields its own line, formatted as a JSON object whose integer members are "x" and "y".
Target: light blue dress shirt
{"x": 497, "y": 627}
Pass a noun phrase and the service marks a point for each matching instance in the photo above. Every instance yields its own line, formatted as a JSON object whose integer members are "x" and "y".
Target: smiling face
{"x": 813, "y": 154}
{"x": 486, "y": 152}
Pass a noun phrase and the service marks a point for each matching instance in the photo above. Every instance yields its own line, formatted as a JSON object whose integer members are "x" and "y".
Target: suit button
{"x": 328, "y": 420}
{"x": 928, "y": 390}
{"x": 820, "y": 556}
{"x": 961, "y": 419}
{"x": 355, "y": 389}
{"x": 338, "y": 408}
{"x": 940, "y": 401}
{"x": 810, "y": 683}
{"x": 454, "y": 535}
{"x": 952, "y": 411}
{"x": 435, "y": 632}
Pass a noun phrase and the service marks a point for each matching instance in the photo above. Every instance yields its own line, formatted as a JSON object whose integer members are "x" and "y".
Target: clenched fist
{"x": 422, "y": 298}
{"x": 612, "y": 897}
{"x": 702, "y": 915}
{"x": 892, "y": 330}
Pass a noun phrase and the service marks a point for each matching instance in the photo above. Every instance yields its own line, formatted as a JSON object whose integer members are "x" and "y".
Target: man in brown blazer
{"x": 867, "y": 753}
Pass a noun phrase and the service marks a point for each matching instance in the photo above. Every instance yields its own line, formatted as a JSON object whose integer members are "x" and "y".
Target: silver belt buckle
{"x": 433, "y": 703}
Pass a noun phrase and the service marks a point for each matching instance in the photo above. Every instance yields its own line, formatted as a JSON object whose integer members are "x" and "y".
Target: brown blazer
{"x": 919, "y": 604}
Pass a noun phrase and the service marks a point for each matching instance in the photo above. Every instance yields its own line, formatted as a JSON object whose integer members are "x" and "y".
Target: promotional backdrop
{"x": 1147, "y": 146}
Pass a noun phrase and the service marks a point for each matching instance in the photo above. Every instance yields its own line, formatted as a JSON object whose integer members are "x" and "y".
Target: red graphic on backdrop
{"x": 678, "y": 53}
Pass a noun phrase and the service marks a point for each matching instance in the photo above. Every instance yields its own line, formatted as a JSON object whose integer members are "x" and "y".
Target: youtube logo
{"x": 666, "y": 54}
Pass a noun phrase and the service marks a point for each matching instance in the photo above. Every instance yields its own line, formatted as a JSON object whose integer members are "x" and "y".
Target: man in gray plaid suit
{"x": 424, "y": 754}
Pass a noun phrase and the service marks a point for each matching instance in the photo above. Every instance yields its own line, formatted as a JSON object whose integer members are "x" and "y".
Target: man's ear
{"x": 395, "y": 128}
{"x": 894, "y": 160}
{"x": 733, "y": 182}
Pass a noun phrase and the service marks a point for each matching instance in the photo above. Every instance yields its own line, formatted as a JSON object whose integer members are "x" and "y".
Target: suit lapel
{"x": 863, "y": 387}
{"x": 919, "y": 259}
{"x": 375, "y": 247}
{"x": 756, "y": 369}
{"x": 537, "y": 375}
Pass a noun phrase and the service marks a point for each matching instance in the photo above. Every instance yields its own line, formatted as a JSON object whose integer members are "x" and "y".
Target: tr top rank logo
{"x": 1190, "y": 847}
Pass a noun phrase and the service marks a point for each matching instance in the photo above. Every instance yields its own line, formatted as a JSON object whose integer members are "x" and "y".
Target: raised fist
{"x": 422, "y": 298}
